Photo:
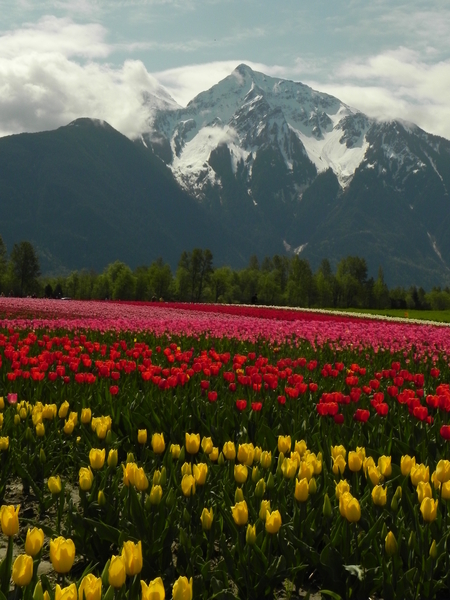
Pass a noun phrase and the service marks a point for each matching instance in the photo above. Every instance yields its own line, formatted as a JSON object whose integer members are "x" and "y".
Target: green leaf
{"x": 331, "y": 594}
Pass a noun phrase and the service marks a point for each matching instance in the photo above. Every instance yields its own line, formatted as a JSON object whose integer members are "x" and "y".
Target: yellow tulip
{"x": 96, "y": 458}
{"x": 68, "y": 427}
{"x": 142, "y": 436}
{"x": 306, "y": 469}
{"x": 301, "y": 490}
{"x": 129, "y": 473}
{"x": 406, "y": 464}
{"x": 445, "y": 491}
{"x": 91, "y": 587}
{"x": 40, "y": 430}
{"x": 289, "y": 468}
{"x": 390, "y": 544}
{"x": 54, "y": 484}
{"x": 260, "y": 488}
{"x": 246, "y": 454}
{"x": 374, "y": 475}
{"x": 367, "y": 464}
{"x": 188, "y": 485}
{"x": 435, "y": 481}
{"x": 339, "y": 465}
{"x": 428, "y": 508}
{"x": 300, "y": 447}
{"x": 186, "y": 469}
{"x": 341, "y": 487}
{"x": 2, "y": 403}
{"x": 49, "y": 411}
{"x": 9, "y": 519}
{"x": 73, "y": 416}
{"x": 22, "y": 570}
{"x": 200, "y": 472}
{"x": 240, "y": 473}
{"x": 207, "y": 445}
{"x": 63, "y": 410}
{"x": 338, "y": 451}
{"x": 154, "y": 590}
{"x": 86, "y": 477}
{"x": 117, "y": 572}
{"x": 175, "y": 451}
{"x": 284, "y": 444}
{"x": 273, "y": 521}
{"x": 113, "y": 458}
{"x": 423, "y": 490}
{"x": 4, "y": 443}
{"x": 379, "y": 495}
{"x": 250, "y": 536}
{"x": 86, "y": 415}
{"x": 229, "y": 450}
{"x": 443, "y": 471}
{"x": 62, "y": 554}
{"x": 182, "y": 589}
{"x": 206, "y": 518}
{"x": 433, "y": 550}
{"x": 419, "y": 473}
{"x": 192, "y": 442}
{"x": 349, "y": 507}
{"x": 214, "y": 454}
{"x": 156, "y": 494}
{"x": 355, "y": 461}
{"x": 385, "y": 466}
{"x": 312, "y": 486}
{"x": 132, "y": 557}
{"x": 140, "y": 480}
{"x": 265, "y": 460}
{"x": 67, "y": 593}
{"x": 240, "y": 512}
{"x": 264, "y": 509}
{"x": 34, "y": 541}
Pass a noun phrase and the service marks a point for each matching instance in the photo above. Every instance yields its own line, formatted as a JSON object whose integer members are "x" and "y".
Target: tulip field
{"x": 152, "y": 451}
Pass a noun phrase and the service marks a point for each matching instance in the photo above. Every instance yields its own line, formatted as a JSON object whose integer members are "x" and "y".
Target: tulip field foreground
{"x": 175, "y": 451}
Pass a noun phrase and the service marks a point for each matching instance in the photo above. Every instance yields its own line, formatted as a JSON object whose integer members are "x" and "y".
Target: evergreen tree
{"x": 25, "y": 268}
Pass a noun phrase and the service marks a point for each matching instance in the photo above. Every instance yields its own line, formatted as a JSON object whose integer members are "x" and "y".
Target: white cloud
{"x": 51, "y": 34}
{"x": 396, "y": 84}
{"x": 43, "y": 87}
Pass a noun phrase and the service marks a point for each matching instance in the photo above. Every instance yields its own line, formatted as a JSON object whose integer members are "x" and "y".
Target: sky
{"x": 64, "y": 59}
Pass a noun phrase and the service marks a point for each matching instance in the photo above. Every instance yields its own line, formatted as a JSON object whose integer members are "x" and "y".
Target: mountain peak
{"x": 243, "y": 70}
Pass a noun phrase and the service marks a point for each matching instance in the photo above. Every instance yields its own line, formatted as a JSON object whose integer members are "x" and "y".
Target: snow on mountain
{"x": 248, "y": 109}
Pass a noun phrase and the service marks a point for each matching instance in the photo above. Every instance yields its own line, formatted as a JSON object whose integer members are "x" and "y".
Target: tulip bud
{"x": 42, "y": 457}
{"x": 16, "y": 420}
{"x": 112, "y": 458}
{"x": 412, "y": 540}
{"x": 239, "y": 495}
{"x": 433, "y": 550}
{"x": 163, "y": 477}
{"x": 221, "y": 459}
{"x": 207, "y": 519}
{"x": 327, "y": 509}
{"x": 280, "y": 460}
{"x": 186, "y": 516}
{"x": 312, "y": 486}
{"x": 108, "y": 438}
{"x": 394, "y": 503}
{"x": 38, "y": 593}
{"x": 255, "y": 474}
{"x": 155, "y": 494}
{"x": 250, "y": 536}
{"x": 384, "y": 531}
{"x": 398, "y": 492}
{"x": 260, "y": 488}
{"x": 270, "y": 482}
{"x": 101, "y": 499}
{"x": 390, "y": 544}
{"x": 130, "y": 457}
{"x": 156, "y": 477}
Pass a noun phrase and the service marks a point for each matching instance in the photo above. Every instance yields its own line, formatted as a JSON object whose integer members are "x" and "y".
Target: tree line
{"x": 277, "y": 280}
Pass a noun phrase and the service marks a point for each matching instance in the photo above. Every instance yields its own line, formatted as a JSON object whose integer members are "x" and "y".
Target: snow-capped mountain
{"x": 289, "y": 159}
{"x": 249, "y": 110}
